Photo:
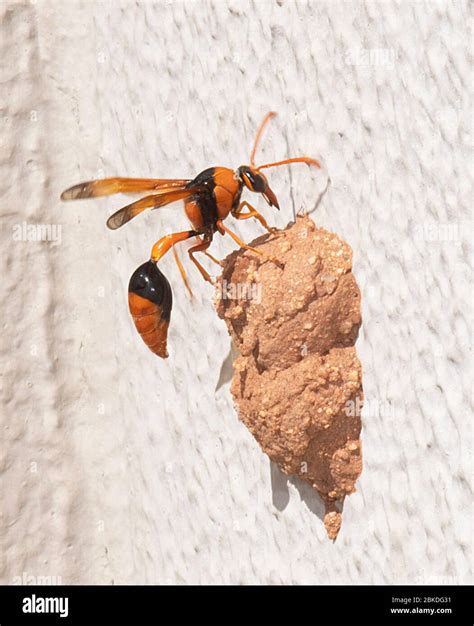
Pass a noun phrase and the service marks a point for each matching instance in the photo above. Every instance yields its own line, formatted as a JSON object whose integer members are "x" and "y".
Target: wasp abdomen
{"x": 150, "y": 301}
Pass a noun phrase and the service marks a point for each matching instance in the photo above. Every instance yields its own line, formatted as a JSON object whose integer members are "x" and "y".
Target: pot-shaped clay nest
{"x": 297, "y": 381}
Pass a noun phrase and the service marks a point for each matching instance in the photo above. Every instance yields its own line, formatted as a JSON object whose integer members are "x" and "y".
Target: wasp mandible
{"x": 209, "y": 198}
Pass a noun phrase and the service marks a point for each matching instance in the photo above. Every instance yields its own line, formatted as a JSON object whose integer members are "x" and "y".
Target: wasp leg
{"x": 242, "y": 244}
{"x": 253, "y": 213}
{"x": 201, "y": 247}
{"x": 220, "y": 263}
{"x": 162, "y": 246}
{"x": 182, "y": 272}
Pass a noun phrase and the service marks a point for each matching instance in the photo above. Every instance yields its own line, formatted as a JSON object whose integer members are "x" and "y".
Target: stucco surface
{"x": 119, "y": 467}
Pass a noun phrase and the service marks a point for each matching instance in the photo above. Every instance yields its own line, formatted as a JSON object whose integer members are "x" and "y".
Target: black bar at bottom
{"x": 318, "y": 605}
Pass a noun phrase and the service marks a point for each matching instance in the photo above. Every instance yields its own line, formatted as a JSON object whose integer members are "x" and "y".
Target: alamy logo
{"x": 31, "y": 579}
{"x": 38, "y": 604}
{"x": 366, "y": 57}
{"x": 37, "y": 232}
{"x": 239, "y": 291}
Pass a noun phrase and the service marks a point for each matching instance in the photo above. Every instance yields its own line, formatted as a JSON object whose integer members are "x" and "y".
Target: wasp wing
{"x": 109, "y": 186}
{"x": 124, "y": 215}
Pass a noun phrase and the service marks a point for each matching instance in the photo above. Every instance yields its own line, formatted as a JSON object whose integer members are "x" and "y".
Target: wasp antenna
{"x": 260, "y": 130}
{"x": 304, "y": 159}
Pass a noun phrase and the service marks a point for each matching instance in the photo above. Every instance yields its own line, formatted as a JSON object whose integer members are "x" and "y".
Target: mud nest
{"x": 297, "y": 382}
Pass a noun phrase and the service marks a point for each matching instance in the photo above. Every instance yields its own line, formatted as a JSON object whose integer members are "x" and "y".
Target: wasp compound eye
{"x": 258, "y": 183}
{"x": 150, "y": 301}
{"x": 253, "y": 180}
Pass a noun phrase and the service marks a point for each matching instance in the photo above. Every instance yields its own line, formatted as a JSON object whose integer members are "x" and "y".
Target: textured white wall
{"x": 117, "y": 466}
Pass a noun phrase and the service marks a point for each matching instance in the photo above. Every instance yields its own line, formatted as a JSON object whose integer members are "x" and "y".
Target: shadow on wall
{"x": 279, "y": 480}
{"x": 308, "y": 495}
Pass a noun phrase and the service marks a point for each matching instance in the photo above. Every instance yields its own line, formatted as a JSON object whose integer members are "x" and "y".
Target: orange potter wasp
{"x": 208, "y": 200}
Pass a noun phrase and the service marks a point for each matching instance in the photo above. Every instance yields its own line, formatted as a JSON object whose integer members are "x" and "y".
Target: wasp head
{"x": 254, "y": 180}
